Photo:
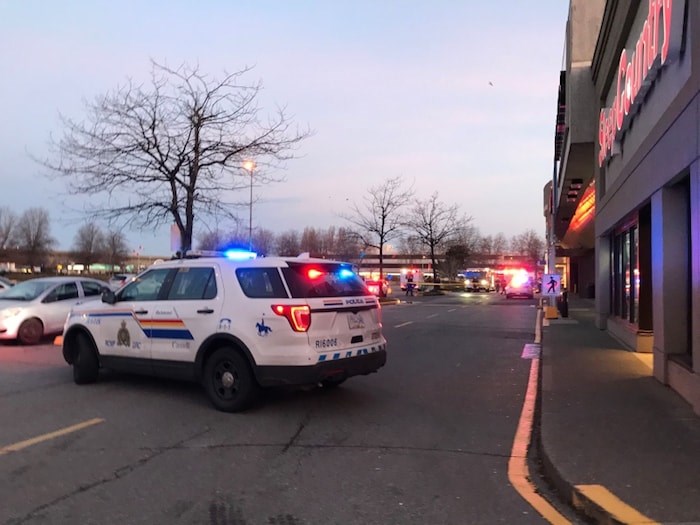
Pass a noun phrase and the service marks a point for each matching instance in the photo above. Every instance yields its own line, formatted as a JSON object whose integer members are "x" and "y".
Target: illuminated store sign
{"x": 658, "y": 43}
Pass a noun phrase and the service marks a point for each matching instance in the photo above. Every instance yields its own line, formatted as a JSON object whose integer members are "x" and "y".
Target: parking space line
{"x": 15, "y": 447}
{"x": 403, "y": 324}
{"x": 452, "y": 310}
{"x": 431, "y": 316}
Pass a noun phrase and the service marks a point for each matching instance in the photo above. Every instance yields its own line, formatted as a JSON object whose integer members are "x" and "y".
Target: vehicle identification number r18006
{"x": 327, "y": 343}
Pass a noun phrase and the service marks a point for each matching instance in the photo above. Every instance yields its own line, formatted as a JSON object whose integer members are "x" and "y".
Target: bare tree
{"x": 89, "y": 244}
{"x": 410, "y": 245}
{"x": 33, "y": 235}
{"x": 311, "y": 241}
{"x": 211, "y": 240}
{"x": 379, "y": 219}
{"x": 263, "y": 241}
{"x": 116, "y": 248}
{"x": 327, "y": 240}
{"x": 172, "y": 150}
{"x": 288, "y": 243}
{"x": 434, "y": 224}
{"x": 500, "y": 243}
{"x": 8, "y": 222}
{"x": 461, "y": 247}
{"x": 486, "y": 245}
{"x": 529, "y": 244}
{"x": 348, "y": 244}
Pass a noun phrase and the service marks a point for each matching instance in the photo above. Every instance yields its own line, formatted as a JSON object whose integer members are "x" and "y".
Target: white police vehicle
{"x": 233, "y": 323}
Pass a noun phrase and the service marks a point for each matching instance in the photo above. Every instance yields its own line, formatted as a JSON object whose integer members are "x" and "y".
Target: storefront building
{"x": 646, "y": 76}
{"x": 569, "y": 199}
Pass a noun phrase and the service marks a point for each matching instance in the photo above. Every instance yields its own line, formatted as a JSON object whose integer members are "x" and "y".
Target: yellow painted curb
{"x": 620, "y": 511}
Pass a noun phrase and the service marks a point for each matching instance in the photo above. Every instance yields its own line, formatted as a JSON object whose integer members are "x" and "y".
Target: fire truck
{"x": 478, "y": 280}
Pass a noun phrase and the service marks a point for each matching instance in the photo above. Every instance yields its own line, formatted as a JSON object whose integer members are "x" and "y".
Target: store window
{"x": 626, "y": 274}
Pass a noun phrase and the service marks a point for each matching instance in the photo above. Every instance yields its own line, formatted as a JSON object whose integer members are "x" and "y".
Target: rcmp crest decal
{"x": 123, "y": 336}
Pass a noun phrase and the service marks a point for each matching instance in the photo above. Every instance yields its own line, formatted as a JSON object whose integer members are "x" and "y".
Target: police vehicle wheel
{"x": 30, "y": 332}
{"x": 333, "y": 383}
{"x": 229, "y": 381}
{"x": 85, "y": 364}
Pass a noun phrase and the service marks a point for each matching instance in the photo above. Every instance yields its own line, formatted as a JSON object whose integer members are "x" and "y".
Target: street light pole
{"x": 250, "y": 166}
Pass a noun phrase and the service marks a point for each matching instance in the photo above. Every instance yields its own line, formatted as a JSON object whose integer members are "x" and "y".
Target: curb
{"x": 567, "y": 491}
{"x": 570, "y": 495}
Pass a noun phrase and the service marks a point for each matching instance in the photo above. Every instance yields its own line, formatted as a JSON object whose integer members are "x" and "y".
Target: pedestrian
{"x": 409, "y": 285}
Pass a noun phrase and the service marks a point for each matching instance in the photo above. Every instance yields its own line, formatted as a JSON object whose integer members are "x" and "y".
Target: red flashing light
{"x": 313, "y": 273}
{"x": 299, "y": 317}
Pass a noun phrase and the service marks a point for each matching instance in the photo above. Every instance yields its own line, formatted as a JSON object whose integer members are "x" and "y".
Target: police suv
{"x": 234, "y": 323}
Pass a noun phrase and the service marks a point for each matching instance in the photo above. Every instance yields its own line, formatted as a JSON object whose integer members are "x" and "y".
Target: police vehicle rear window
{"x": 307, "y": 280}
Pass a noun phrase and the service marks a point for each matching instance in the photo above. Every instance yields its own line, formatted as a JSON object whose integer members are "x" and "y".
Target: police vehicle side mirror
{"x": 109, "y": 297}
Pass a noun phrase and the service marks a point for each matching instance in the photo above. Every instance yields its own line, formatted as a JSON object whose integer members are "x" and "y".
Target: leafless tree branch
{"x": 167, "y": 151}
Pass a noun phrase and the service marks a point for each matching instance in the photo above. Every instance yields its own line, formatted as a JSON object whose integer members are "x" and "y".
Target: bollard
{"x": 564, "y": 303}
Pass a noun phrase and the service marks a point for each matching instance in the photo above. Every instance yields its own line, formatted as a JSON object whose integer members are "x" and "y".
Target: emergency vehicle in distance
{"x": 479, "y": 279}
{"x": 417, "y": 275}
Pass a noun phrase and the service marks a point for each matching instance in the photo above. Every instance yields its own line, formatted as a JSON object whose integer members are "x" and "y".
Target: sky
{"x": 456, "y": 97}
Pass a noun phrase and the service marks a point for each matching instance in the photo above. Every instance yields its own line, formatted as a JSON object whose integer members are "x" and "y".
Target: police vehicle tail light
{"x": 299, "y": 317}
{"x": 373, "y": 289}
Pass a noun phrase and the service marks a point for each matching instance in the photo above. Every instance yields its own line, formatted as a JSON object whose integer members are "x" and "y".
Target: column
{"x": 602, "y": 282}
{"x": 695, "y": 262}
{"x": 670, "y": 275}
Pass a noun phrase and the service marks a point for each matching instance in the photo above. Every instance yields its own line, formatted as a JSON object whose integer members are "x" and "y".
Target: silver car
{"x": 38, "y": 307}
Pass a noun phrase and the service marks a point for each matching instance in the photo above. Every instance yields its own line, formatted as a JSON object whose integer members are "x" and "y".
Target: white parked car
{"x": 38, "y": 307}
{"x": 234, "y": 325}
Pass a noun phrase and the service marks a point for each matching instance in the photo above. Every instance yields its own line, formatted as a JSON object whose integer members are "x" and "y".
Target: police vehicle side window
{"x": 261, "y": 283}
{"x": 146, "y": 287}
{"x": 192, "y": 284}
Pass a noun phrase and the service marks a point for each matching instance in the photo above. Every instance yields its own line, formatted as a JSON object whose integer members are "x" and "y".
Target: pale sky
{"x": 455, "y": 96}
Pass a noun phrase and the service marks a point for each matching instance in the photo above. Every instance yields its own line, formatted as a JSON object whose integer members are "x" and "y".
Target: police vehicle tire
{"x": 85, "y": 364}
{"x": 333, "y": 383}
{"x": 30, "y": 332}
{"x": 229, "y": 380}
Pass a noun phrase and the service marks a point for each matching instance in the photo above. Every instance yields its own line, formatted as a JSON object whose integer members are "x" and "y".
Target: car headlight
{"x": 484, "y": 282}
{"x": 6, "y": 313}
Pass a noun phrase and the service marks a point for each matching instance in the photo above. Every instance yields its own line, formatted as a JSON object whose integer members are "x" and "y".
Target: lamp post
{"x": 250, "y": 166}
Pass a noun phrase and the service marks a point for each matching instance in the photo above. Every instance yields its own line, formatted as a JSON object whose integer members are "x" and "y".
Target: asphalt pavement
{"x": 615, "y": 443}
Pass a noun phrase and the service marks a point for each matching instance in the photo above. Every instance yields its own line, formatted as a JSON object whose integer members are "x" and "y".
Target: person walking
{"x": 409, "y": 285}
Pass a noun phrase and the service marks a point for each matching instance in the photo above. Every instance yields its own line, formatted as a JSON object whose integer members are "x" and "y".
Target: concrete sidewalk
{"x": 616, "y": 444}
